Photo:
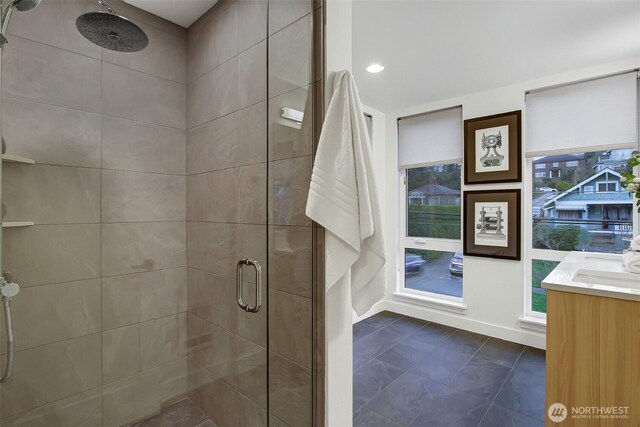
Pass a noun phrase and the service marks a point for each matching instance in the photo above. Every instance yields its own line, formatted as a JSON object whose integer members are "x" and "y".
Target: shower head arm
{"x": 6, "y": 16}
{"x": 105, "y": 5}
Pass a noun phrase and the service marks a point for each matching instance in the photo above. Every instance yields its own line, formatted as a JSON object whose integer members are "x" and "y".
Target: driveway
{"x": 434, "y": 277}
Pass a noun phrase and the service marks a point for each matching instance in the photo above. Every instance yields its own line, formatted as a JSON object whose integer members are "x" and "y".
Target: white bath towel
{"x": 635, "y": 244}
{"x": 631, "y": 261}
{"x": 343, "y": 199}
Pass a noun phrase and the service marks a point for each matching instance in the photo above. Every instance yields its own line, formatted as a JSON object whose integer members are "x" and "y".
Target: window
{"x": 540, "y": 165}
{"x": 584, "y": 209}
{"x": 429, "y": 153}
{"x": 556, "y": 164}
{"x": 604, "y": 187}
{"x": 434, "y": 272}
{"x": 540, "y": 174}
{"x": 441, "y": 217}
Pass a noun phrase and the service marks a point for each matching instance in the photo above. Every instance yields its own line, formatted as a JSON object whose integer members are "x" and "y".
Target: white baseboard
{"x": 525, "y": 337}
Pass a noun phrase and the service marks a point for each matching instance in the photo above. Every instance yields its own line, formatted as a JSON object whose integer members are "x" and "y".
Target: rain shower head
{"x": 23, "y": 5}
{"x": 111, "y": 31}
{"x": 19, "y": 5}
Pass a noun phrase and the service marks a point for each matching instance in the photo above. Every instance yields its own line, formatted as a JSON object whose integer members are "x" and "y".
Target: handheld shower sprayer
{"x": 8, "y": 290}
{"x": 20, "y": 6}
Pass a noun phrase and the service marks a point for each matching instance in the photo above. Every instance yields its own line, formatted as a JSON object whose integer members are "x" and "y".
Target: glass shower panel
{"x": 292, "y": 86}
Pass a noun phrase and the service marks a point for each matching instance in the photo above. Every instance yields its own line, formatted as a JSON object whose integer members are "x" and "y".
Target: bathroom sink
{"x": 594, "y": 274}
{"x": 607, "y": 278}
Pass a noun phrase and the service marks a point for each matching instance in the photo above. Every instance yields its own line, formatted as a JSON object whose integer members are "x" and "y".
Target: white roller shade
{"x": 587, "y": 116}
{"x": 430, "y": 138}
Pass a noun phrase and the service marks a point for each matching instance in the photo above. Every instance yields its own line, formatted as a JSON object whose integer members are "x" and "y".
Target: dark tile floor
{"x": 183, "y": 413}
{"x": 408, "y": 372}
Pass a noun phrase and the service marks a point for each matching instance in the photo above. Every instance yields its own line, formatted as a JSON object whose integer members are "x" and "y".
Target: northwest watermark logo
{"x": 557, "y": 412}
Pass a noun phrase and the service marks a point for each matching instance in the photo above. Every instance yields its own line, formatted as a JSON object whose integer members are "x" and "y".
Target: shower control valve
{"x": 8, "y": 289}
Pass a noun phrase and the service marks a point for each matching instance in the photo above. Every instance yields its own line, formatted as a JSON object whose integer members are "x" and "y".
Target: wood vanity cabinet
{"x": 593, "y": 358}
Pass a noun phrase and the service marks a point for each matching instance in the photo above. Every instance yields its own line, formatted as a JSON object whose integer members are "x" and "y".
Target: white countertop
{"x": 594, "y": 274}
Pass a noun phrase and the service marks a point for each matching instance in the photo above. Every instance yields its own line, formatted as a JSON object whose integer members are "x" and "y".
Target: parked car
{"x": 548, "y": 190}
{"x": 455, "y": 265}
{"x": 413, "y": 263}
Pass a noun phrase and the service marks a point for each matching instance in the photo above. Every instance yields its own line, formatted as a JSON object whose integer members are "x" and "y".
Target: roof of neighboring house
{"x": 572, "y": 195}
{"x": 436, "y": 189}
{"x": 560, "y": 158}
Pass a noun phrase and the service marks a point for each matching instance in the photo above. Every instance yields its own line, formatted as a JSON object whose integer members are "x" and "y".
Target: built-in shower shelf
{"x": 12, "y": 224}
{"x": 10, "y": 158}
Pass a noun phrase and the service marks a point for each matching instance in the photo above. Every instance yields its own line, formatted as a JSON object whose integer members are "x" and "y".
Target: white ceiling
{"x": 181, "y": 12}
{"x": 435, "y": 50}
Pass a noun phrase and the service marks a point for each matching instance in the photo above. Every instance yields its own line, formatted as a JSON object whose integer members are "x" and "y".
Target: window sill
{"x": 533, "y": 323}
{"x": 431, "y": 302}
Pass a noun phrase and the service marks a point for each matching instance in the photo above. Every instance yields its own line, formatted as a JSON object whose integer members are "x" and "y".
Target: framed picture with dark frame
{"x": 493, "y": 149}
{"x": 492, "y": 224}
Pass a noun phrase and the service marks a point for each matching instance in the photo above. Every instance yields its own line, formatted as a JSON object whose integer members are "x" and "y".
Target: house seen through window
{"x": 568, "y": 215}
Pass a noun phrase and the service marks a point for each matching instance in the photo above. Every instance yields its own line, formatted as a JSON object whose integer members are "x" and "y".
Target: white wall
{"x": 338, "y": 311}
{"x": 494, "y": 290}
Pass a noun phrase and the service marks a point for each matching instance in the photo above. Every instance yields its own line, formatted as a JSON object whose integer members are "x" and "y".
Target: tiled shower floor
{"x": 408, "y": 372}
{"x": 184, "y": 413}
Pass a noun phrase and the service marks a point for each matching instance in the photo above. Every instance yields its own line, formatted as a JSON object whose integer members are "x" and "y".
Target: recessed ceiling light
{"x": 375, "y": 68}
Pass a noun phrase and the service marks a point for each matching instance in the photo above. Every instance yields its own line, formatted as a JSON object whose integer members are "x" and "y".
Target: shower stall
{"x": 154, "y": 183}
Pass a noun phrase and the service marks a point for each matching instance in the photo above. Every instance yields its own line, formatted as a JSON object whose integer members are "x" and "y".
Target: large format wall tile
{"x": 289, "y": 187}
{"x": 212, "y": 247}
{"x": 120, "y": 353}
{"x": 212, "y": 39}
{"x": 252, "y": 194}
{"x": 82, "y": 410}
{"x": 51, "y": 135}
{"x": 213, "y": 95}
{"x": 290, "y": 391}
{"x": 252, "y": 22}
{"x": 162, "y": 57}
{"x": 135, "y": 196}
{"x": 138, "y": 96}
{"x": 162, "y": 340}
{"x": 55, "y": 76}
{"x": 236, "y": 361}
{"x": 285, "y": 12}
{"x": 51, "y": 313}
{"x": 141, "y": 395}
{"x": 226, "y": 406}
{"x": 48, "y": 373}
{"x": 290, "y": 326}
{"x": 140, "y": 147}
{"x": 64, "y": 253}
{"x": 286, "y": 140}
{"x": 252, "y": 135}
{"x": 130, "y": 248}
{"x": 213, "y": 196}
{"x": 290, "y": 260}
{"x": 138, "y": 297}
{"x": 213, "y": 145}
{"x": 290, "y": 57}
{"x": 252, "y": 75}
{"x": 51, "y": 194}
{"x": 37, "y": 26}
{"x": 213, "y": 298}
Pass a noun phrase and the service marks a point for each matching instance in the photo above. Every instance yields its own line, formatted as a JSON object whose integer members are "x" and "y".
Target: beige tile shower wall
{"x": 101, "y": 323}
{"x": 226, "y": 210}
{"x": 228, "y": 206}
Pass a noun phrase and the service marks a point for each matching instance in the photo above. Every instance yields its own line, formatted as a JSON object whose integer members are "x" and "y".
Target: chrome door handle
{"x": 239, "y": 299}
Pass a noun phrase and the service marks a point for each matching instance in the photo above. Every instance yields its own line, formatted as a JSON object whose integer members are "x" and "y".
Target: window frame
{"x": 423, "y": 243}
